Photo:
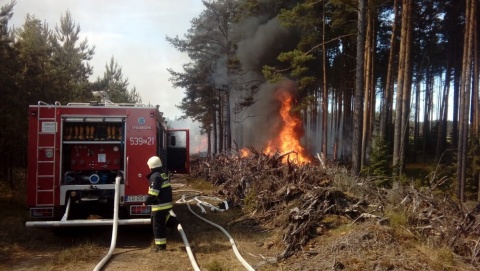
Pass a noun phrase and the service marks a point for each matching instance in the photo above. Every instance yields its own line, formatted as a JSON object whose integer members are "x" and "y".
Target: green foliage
{"x": 343, "y": 11}
{"x": 115, "y": 86}
{"x": 201, "y": 96}
{"x": 397, "y": 218}
{"x": 307, "y": 102}
{"x": 302, "y": 15}
{"x": 272, "y": 75}
{"x": 216, "y": 266}
{"x": 379, "y": 165}
{"x": 473, "y": 167}
{"x": 13, "y": 101}
{"x": 70, "y": 58}
{"x": 306, "y": 81}
{"x": 250, "y": 200}
{"x": 298, "y": 61}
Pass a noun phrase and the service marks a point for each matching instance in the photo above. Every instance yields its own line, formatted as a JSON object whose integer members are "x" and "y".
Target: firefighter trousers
{"x": 160, "y": 221}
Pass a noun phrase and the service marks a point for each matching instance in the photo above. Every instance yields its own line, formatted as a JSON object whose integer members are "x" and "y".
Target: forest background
{"x": 379, "y": 85}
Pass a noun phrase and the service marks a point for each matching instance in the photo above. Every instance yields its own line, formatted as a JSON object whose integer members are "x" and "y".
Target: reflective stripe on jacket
{"x": 159, "y": 191}
{"x": 162, "y": 206}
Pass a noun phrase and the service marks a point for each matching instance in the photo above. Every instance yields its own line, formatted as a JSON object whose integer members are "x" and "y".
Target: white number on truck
{"x": 138, "y": 141}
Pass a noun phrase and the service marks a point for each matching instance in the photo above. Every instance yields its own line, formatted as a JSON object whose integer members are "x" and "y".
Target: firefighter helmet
{"x": 154, "y": 162}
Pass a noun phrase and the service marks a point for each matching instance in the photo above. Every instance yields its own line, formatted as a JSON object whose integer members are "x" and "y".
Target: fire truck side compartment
{"x": 76, "y": 151}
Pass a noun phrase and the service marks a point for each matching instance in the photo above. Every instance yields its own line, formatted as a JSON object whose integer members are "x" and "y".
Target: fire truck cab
{"x": 77, "y": 152}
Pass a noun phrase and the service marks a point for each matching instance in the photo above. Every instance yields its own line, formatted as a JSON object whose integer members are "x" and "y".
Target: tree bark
{"x": 476, "y": 77}
{"x": 465, "y": 98}
{"x": 397, "y": 140}
{"x": 359, "y": 84}
{"x": 369, "y": 86}
{"x": 387, "y": 103}
{"x": 416, "y": 129}
{"x": 442, "y": 121}
{"x": 228, "y": 121}
{"x": 407, "y": 86}
{"x": 209, "y": 142}
{"x": 215, "y": 126}
{"x": 325, "y": 93}
{"x": 427, "y": 111}
{"x": 221, "y": 125}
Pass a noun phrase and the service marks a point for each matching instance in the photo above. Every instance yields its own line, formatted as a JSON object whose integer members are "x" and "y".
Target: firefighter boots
{"x": 159, "y": 248}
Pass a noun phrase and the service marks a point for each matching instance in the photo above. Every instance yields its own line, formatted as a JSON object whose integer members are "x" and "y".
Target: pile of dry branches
{"x": 278, "y": 191}
{"x": 297, "y": 197}
{"x": 443, "y": 220}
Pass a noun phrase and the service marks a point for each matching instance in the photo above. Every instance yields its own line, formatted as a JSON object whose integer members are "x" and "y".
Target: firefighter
{"x": 160, "y": 198}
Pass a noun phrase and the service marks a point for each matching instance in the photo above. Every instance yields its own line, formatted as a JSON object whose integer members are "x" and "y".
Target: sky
{"x": 132, "y": 32}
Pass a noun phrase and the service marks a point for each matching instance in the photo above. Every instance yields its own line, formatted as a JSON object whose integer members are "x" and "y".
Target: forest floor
{"x": 342, "y": 245}
{"x": 82, "y": 248}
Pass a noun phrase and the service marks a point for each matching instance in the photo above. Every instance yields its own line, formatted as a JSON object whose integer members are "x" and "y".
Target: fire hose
{"x": 187, "y": 248}
{"x": 179, "y": 228}
{"x": 115, "y": 224}
{"x": 232, "y": 242}
{"x": 115, "y": 230}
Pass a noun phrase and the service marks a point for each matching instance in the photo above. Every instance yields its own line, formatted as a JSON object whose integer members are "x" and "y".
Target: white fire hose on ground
{"x": 115, "y": 230}
{"x": 179, "y": 228}
{"x": 115, "y": 224}
{"x": 232, "y": 242}
{"x": 187, "y": 248}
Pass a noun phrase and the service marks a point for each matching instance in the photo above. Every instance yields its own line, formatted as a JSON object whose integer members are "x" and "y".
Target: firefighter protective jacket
{"x": 160, "y": 191}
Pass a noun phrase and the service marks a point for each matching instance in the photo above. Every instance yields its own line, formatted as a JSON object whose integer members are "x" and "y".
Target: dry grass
{"x": 75, "y": 256}
{"x": 200, "y": 185}
{"x": 439, "y": 258}
{"x": 33, "y": 249}
{"x": 339, "y": 243}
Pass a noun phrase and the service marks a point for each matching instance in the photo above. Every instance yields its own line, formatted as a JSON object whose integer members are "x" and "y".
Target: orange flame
{"x": 243, "y": 152}
{"x": 290, "y": 131}
{"x": 202, "y": 143}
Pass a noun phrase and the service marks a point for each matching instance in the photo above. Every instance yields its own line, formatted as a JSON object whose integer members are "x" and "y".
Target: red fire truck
{"x": 77, "y": 152}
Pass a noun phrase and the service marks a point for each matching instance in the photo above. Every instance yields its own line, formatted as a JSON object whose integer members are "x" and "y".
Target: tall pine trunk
{"x": 387, "y": 103}
{"x": 428, "y": 104}
{"x": 216, "y": 122}
{"x": 398, "y": 132}
{"x": 465, "y": 88}
{"x": 359, "y": 84}
{"x": 325, "y": 93}
{"x": 369, "y": 83}
{"x": 476, "y": 77}
{"x": 442, "y": 121}
{"x": 407, "y": 87}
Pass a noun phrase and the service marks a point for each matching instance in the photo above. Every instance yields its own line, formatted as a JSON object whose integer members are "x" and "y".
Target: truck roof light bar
{"x": 93, "y": 119}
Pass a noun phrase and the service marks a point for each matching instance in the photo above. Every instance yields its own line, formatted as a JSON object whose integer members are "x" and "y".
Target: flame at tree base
{"x": 290, "y": 131}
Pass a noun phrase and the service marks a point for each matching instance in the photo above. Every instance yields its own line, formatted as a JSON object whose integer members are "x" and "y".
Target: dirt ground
{"x": 82, "y": 248}
{"x": 339, "y": 245}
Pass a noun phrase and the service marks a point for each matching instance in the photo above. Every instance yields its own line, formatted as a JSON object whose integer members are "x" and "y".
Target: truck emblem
{"x": 49, "y": 153}
{"x": 141, "y": 120}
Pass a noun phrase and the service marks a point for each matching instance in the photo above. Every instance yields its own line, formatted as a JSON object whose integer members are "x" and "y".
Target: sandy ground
{"x": 82, "y": 248}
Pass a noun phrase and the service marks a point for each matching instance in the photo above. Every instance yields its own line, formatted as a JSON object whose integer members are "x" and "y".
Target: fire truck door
{"x": 178, "y": 151}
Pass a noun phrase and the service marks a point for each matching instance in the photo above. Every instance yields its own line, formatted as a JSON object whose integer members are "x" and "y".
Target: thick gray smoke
{"x": 255, "y": 125}
{"x": 262, "y": 41}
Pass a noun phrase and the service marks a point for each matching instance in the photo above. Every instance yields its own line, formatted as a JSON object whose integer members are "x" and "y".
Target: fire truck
{"x": 79, "y": 152}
